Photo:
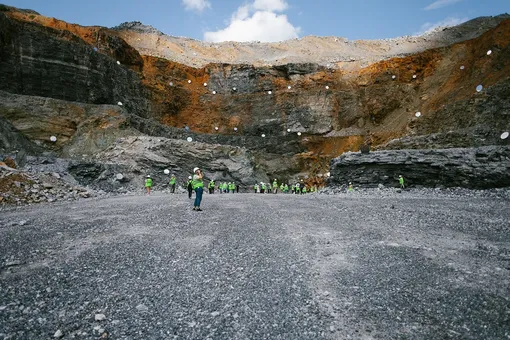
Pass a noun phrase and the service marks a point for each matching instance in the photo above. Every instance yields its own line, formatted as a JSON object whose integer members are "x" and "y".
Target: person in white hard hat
{"x": 401, "y": 181}
{"x": 189, "y": 185}
{"x": 148, "y": 184}
{"x": 198, "y": 186}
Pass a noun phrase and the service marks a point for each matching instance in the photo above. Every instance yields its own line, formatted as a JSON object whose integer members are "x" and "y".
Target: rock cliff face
{"x": 287, "y": 118}
{"x": 479, "y": 168}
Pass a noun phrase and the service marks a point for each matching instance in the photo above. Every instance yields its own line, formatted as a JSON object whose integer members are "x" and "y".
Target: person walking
{"x": 401, "y": 181}
{"x": 237, "y": 188}
{"x": 148, "y": 184}
{"x": 172, "y": 182}
{"x": 262, "y": 187}
{"x": 198, "y": 186}
{"x": 351, "y": 188}
{"x": 211, "y": 186}
{"x": 275, "y": 186}
{"x": 190, "y": 186}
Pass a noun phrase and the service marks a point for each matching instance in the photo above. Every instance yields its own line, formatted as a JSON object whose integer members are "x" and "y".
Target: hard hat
{"x": 195, "y": 169}
{"x": 350, "y": 183}
{"x": 399, "y": 175}
{"x": 148, "y": 176}
{"x": 189, "y": 177}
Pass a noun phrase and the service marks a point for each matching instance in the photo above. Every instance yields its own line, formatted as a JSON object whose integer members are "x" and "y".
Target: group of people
{"x": 196, "y": 183}
{"x": 298, "y": 188}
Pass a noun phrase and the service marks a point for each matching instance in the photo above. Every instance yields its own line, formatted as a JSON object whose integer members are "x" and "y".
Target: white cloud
{"x": 448, "y": 22}
{"x": 441, "y": 3}
{"x": 270, "y": 5}
{"x": 257, "y": 22}
{"x": 196, "y": 5}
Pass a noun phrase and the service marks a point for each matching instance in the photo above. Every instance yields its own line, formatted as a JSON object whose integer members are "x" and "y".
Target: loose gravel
{"x": 343, "y": 266}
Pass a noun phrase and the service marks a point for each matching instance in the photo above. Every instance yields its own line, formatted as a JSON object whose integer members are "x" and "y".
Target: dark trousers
{"x": 211, "y": 190}
{"x": 172, "y": 187}
{"x": 190, "y": 191}
{"x": 199, "y": 191}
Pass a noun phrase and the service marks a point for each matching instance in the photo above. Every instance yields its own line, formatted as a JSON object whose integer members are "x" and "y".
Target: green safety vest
{"x": 197, "y": 183}
{"x": 211, "y": 184}
{"x": 172, "y": 180}
{"x": 148, "y": 182}
{"x": 275, "y": 184}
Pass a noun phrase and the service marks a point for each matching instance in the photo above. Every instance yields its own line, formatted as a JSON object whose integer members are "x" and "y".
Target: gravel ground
{"x": 344, "y": 266}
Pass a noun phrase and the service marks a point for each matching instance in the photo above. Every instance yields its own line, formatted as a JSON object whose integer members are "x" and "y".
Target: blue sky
{"x": 271, "y": 20}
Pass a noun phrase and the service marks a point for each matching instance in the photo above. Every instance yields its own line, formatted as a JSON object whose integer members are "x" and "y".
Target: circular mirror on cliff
{"x": 166, "y": 171}
{"x": 288, "y": 130}
{"x": 216, "y": 128}
{"x": 53, "y": 138}
{"x": 418, "y": 114}
{"x": 95, "y": 49}
{"x": 414, "y": 76}
{"x": 263, "y": 135}
{"x": 171, "y": 84}
{"x": 299, "y": 133}
{"x": 289, "y": 87}
{"x": 393, "y": 77}
{"x": 479, "y": 88}
{"x": 328, "y": 174}
{"x": 489, "y": 52}
{"x": 205, "y": 84}
{"x": 189, "y": 81}
{"x": 186, "y": 128}
{"x": 119, "y": 177}
{"x": 213, "y": 92}
{"x": 119, "y": 103}
{"x": 462, "y": 67}
{"x": 504, "y": 135}
{"x": 189, "y": 139}
{"x": 327, "y": 87}
{"x": 118, "y": 62}
{"x": 235, "y": 129}
{"x": 269, "y": 92}
{"x": 234, "y": 89}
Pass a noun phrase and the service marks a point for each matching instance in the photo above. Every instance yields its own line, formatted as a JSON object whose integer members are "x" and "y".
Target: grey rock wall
{"x": 477, "y": 168}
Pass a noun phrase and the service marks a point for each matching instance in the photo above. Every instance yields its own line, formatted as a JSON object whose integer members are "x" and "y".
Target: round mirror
{"x": 289, "y": 87}
{"x": 489, "y": 52}
{"x": 263, "y": 135}
{"x": 189, "y": 139}
{"x": 171, "y": 84}
{"x": 327, "y": 87}
{"x": 328, "y": 174}
{"x": 53, "y": 138}
{"x": 189, "y": 81}
{"x": 479, "y": 88}
{"x": 462, "y": 67}
{"x": 118, "y": 62}
{"x": 205, "y": 84}
{"x": 393, "y": 77}
{"x": 288, "y": 130}
{"x": 235, "y": 129}
{"x": 166, "y": 171}
{"x": 504, "y": 135}
{"x": 299, "y": 133}
{"x": 213, "y": 92}
{"x": 216, "y": 128}
{"x": 414, "y": 76}
{"x": 417, "y": 114}
{"x": 234, "y": 88}
{"x": 269, "y": 92}
{"x": 119, "y": 103}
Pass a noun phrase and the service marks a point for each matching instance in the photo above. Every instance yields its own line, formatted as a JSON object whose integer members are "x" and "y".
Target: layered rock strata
{"x": 478, "y": 168}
